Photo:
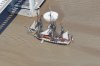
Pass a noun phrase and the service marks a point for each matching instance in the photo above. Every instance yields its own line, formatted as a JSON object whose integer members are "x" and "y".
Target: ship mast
{"x": 39, "y": 25}
{"x": 62, "y": 30}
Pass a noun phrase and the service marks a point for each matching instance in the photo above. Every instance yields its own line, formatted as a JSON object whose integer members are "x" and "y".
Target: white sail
{"x": 33, "y": 25}
{"x": 46, "y": 32}
{"x": 49, "y": 26}
{"x": 65, "y": 35}
{"x": 50, "y": 16}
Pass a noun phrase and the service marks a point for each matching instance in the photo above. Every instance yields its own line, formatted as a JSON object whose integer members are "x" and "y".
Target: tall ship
{"x": 50, "y": 34}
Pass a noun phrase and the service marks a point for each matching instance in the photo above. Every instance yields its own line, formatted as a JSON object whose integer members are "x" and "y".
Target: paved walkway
{"x": 4, "y": 4}
{"x": 25, "y": 10}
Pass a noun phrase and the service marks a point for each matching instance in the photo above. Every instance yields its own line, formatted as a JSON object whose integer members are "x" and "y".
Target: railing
{"x": 4, "y": 4}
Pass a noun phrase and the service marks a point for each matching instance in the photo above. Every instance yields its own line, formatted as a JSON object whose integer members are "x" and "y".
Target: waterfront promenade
{"x": 8, "y": 15}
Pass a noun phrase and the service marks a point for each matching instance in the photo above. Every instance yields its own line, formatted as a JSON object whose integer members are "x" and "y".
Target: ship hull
{"x": 60, "y": 41}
